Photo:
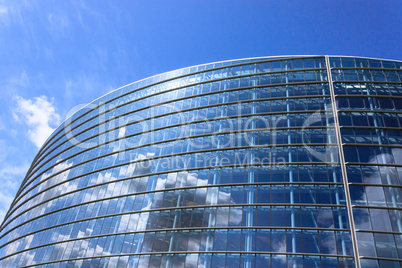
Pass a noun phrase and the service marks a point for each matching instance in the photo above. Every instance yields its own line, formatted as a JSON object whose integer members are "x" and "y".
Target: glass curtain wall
{"x": 369, "y": 104}
{"x": 263, "y": 162}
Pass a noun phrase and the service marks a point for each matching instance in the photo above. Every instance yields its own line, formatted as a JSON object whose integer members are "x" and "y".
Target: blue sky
{"x": 56, "y": 55}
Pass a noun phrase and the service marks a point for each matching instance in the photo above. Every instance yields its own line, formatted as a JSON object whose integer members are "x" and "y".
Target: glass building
{"x": 265, "y": 162}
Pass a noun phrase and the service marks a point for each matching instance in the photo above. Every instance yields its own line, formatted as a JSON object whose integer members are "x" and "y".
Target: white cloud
{"x": 38, "y": 114}
{"x": 5, "y": 200}
{"x": 58, "y": 24}
{"x": 11, "y": 12}
{"x": 3, "y": 10}
{"x": 62, "y": 21}
{"x": 5, "y": 15}
{"x": 2, "y": 124}
{"x": 11, "y": 171}
{"x": 9, "y": 185}
{"x": 17, "y": 81}
{"x": 88, "y": 86}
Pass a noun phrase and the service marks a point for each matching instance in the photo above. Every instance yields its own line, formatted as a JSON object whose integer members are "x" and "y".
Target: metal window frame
{"x": 27, "y": 183}
{"x": 343, "y": 165}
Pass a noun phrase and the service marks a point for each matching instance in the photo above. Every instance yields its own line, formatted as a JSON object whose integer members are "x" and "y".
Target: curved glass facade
{"x": 265, "y": 162}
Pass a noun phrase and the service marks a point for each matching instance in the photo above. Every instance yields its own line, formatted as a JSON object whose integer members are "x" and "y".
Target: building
{"x": 244, "y": 163}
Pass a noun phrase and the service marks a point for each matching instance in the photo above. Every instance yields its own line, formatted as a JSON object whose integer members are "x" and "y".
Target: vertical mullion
{"x": 342, "y": 161}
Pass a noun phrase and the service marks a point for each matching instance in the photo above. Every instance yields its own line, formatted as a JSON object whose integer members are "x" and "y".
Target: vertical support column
{"x": 291, "y": 180}
{"x": 343, "y": 165}
{"x": 174, "y": 233}
{"x": 250, "y": 188}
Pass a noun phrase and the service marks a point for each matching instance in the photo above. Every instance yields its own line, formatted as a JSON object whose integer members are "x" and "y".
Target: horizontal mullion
{"x": 369, "y": 127}
{"x": 365, "y": 68}
{"x": 190, "y": 97}
{"x": 367, "y": 96}
{"x": 198, "y": 72}
{"x": 165, "y": 156}
{"x": 375, "y": 184}
{"x": 197, "y": 252}
{"x": 176, "y": 170}
{"x": 178, "y": 188}
{"x": 197, "y": 83}
{"x": 184, "y": 111}
{"x": 184, "y": 208}
{"x": 372, "y": 145}
{"x": 375, "y": 231}
{"x": 372, "y": 164}
{"x": 376, "y": 207}
{"x": 380, "y": 258}
{"x": 369, "y": 111}
{"x": 25, "y": 183}
{"x": 364, "y": 82}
